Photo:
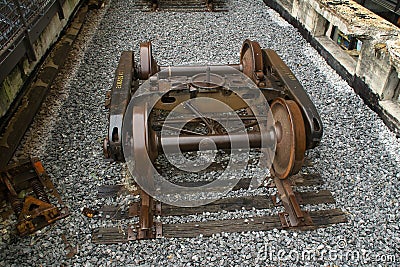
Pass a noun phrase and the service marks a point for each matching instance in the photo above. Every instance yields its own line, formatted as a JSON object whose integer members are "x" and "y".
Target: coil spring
{"x": 39, "y": 191}
{"x": 17, "y": 205}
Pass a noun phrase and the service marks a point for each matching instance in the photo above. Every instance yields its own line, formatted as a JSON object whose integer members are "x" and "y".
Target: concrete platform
{"x": 372, "y": 69}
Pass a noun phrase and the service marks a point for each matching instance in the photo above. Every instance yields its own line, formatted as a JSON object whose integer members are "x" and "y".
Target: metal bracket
{"x": 293, "y": 215}
{"x": 285, "y": 221}
{"x": 146, "y": 228}
{"x": 134, "y": 235}
{"x": 35, "y": 214}
{"x": 276, "y": 199}
{"x": 120, "y": 96}
{"x": 294, "y": 89}
{"x": 34, "y": 211}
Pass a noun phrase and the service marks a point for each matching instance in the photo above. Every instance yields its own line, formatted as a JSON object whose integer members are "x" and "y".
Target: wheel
{"x": 252, "y": 61}
{"x": 290, "y": 136}
{"x": 144, "y": 137}
{"x": 148, "y": 66}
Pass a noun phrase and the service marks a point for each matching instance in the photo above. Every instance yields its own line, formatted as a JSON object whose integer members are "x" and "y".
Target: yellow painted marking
{"x": 120, "y": 79}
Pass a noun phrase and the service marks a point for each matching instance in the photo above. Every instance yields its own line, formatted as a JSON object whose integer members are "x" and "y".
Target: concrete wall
{"x": 375, "y": 68}
{"x": 13, "y": 83}
{"x": 375, "y": 73}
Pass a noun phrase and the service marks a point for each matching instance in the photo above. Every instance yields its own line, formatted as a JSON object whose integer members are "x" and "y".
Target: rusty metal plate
{"x": 30, "y": 191}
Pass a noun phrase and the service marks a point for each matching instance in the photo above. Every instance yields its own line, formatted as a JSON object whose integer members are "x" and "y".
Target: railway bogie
{"x": 208, "y": 97}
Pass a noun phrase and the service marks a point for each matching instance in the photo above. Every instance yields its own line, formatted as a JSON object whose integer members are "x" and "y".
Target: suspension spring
{"x": 39, "y": 191}
{"x": 16, "y": 204}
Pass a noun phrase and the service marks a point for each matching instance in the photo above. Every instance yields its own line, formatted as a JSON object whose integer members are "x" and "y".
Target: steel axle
{"x": 188, "y": 143}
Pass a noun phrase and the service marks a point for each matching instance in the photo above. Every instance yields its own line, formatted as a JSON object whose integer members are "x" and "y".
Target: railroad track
{"x": 181, "y": 6}
{"x": 301, "y": 182}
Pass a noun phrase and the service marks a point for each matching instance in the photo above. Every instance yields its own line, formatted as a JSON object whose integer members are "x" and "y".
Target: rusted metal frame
{"x": 147, "y": 227}
{"x": 120, "y": 97}
{"x": 295, "y": 91}
{"x": 33, "y": 212}
{"x": 47, "y": 183}
{"x": 255, "y": 67}
{"x": 293, "y": 215}
{"x": 32, "y": 219}
{"x": 121, "y": 93}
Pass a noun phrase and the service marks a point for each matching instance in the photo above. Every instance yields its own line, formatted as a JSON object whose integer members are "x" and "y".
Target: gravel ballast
{"x": 358, "y": 157}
